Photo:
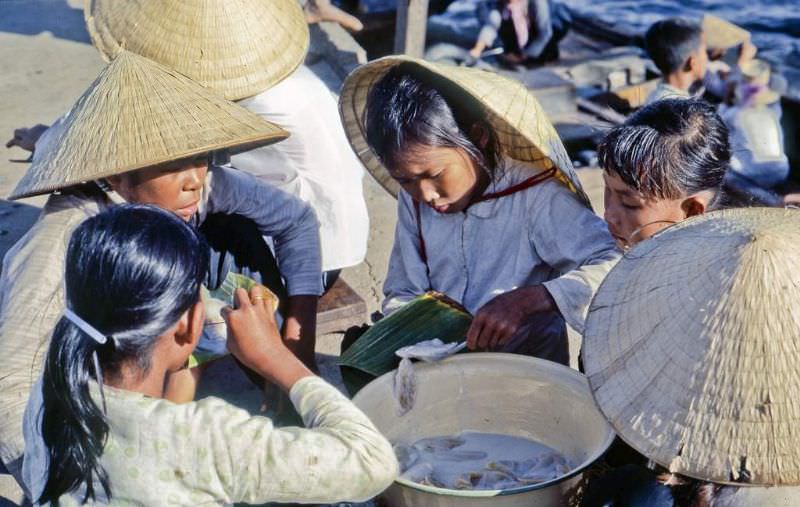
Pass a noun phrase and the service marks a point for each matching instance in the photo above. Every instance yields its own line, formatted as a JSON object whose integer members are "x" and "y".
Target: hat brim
{"x": 522, "y": 127}
{"x": 237, "y": 147}
{"x": 139, "y": 114}
{"x": 237, "y": 48}
{"x": 690, "y": 343}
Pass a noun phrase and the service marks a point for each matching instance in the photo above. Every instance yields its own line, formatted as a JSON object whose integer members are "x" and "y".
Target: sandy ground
{"x": 46, "y": 62}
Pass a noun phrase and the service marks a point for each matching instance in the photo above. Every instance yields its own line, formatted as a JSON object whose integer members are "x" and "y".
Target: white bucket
{"x": 494, "y": 393}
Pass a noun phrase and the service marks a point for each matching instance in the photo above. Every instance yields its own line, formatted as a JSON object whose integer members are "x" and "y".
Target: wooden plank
{"x": 606, "y": 113}
{"x": 409, "y": 35}
{"x": 555, "y": 94}
{"x": 340, "y": 308}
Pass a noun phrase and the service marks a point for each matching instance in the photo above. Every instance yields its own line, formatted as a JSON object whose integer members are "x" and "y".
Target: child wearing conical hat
{"x": 690, "y": 351}
{"x": 254, "y": 54}
{"x": 141, "y": 133}
{"x": 489, "y": 209}
{"x": 666, "y": 163}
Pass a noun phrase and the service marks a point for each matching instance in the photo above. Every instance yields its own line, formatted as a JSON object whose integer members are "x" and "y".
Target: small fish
{"x": 405, "y": 387}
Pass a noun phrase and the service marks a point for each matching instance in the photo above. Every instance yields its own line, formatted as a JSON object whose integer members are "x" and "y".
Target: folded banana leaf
{"x": 432, "y": 315}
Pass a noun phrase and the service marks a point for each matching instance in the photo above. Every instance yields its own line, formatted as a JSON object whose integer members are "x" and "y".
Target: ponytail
{"x": 74, "y": 428}
{"x": 131, "y": 273}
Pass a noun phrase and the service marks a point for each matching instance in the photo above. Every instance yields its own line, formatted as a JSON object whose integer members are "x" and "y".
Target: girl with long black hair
{"x": 97, "y": 427}
{"x": 490, "y": 211}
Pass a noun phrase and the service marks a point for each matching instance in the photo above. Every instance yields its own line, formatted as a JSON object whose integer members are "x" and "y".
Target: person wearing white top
{"x": 315, "y": 163}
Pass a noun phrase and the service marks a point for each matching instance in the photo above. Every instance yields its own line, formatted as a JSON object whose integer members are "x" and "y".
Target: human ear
{"x": 190, "y": 327}
{"x": 196, "y": 320}
{"x": 690, "y": 64}
{"x": 479, "y": 134}
{"x": 693, "y": 206}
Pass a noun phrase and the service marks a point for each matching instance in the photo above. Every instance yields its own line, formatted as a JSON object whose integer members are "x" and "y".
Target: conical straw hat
{"x": 692, "y": 347}
{"x": 237, "y": 47}
{"x": 138, "y": 114}
{"x": 722, "y": 34}
{"x": 523, "y": 129}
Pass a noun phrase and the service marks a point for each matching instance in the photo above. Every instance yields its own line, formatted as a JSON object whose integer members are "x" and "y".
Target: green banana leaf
{"x": 432, "y": 315}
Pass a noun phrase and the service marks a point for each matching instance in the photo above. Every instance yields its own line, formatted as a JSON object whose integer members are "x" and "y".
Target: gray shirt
{"x": 541, "y": 235}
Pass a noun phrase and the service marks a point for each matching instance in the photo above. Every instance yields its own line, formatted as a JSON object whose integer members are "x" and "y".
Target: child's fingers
{"x": 225, "y": 312}
{"x": 259, "y": 295}
{"x": 483, "y": 331}
{"x": 241, "y": 298}
{"x": 474, "y": 332}
{"x": 494, "y": 337}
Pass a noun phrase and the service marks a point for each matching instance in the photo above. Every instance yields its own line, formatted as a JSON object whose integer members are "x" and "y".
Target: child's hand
{"x": 26, "y": 138}
{"x": 499, "y": 319}
{"x": 254, "y": 339}
{"x": 747, "y": 51}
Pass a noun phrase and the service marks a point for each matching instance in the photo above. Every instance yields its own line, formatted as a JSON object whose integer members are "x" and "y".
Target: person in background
{"x": 759, "y": 162}
{"x": 98, "y": 428}
{"x": 677, "y": 47}
{"x": 666, "y": 163}
{"x": 524, "y": 28}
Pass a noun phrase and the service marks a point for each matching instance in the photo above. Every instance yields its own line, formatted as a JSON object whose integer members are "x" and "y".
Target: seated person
{"x": 98, "y": 428}
{"x": 675, "y": 351}
{"x": 524, "y": 28}
{"x": 474, "y": 222}
{"x": 314, "y": 163}
{"x": 759, "y": 163}
{"x": 157, "y": 153}
{"x": 666, "y": 163}
{"x": 677, "y": 47}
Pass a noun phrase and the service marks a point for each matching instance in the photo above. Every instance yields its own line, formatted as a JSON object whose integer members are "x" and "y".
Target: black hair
{"x": 670, "y": 43}
{"x": 131, "y": 272}
{"x": 669, "y": 149}
{"x": 411, "y": 105}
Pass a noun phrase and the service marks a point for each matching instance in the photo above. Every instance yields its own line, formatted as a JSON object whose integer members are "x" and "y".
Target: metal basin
{"x": 496, "y": 393}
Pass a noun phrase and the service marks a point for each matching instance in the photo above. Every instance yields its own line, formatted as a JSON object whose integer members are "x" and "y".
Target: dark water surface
{"x": 774, "y": 25}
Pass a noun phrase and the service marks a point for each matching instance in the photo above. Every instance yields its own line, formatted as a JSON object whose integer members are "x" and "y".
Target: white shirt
{"x": 210, "y": 452}
{"x": 540, "y": 235}
{"x": 315, "y": 163}
{"x": 756, "y": 139}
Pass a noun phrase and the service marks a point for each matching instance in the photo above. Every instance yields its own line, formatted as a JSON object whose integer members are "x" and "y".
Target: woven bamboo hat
{"x": 522, "y": 127}
{"x": 138, "y": 114}
{"x": 722, "y": 34}
{"x": 753, "y": 87}
{"x": 238, "y": 48}
{"x": 692, "y": 347}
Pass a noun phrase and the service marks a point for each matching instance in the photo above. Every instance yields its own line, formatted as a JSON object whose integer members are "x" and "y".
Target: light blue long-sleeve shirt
{"x": 541, "y": 235}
